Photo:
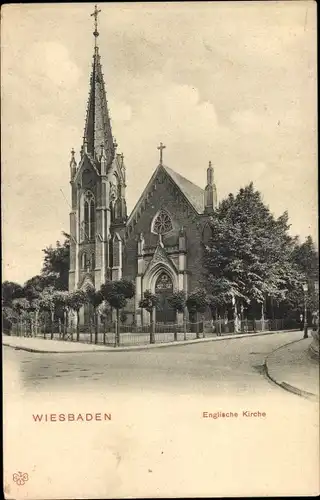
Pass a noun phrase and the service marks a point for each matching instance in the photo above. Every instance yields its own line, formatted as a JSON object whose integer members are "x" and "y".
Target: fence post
{"x": 152, "y": 327}
{"x": 52, "y": 325}
{"x": 90, "y": 331}
{"x": 117, "y": 337}
{"x": 104, "y": 330}
{"x": 96, "y": 327}
{"x": 175, "y": 332}
{"x": 217, "y": 323}
{"x": 65, "y": 324}
{"x": 197, "y": 326}
{"x": 184, "y": 327}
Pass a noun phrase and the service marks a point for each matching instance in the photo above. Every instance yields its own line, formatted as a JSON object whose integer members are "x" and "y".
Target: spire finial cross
{"x": 161, "y": 148}
{"x": 95, "y": 15}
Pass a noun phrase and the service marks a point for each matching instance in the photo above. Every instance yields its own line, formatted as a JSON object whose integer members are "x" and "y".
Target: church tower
{"x": 98, "y": 183}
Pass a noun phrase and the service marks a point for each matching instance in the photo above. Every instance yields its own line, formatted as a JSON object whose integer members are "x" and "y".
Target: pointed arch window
{"x": 84, "y": 260}
{"x": 162, "y": 223}
{"x": 88, "y": 219}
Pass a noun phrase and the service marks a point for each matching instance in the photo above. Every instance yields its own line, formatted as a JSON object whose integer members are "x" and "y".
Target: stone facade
{"x": 159, "y": 245}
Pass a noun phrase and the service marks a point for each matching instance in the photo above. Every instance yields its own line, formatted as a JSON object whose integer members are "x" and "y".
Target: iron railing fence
{"x": 105, "y": 333}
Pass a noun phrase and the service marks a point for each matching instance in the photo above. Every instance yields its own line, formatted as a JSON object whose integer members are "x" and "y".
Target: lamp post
{"x": 305, "y": 325}
{"x": 316, "y": 319}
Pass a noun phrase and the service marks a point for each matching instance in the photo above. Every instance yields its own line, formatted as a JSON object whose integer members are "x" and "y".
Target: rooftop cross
{"x": 95, "y": 15}
{"x": 161, "y": 148}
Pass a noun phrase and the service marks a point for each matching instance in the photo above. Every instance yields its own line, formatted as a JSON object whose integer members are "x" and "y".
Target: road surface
{"x": 159, "y": 443}
{"x": 227, "y": 367}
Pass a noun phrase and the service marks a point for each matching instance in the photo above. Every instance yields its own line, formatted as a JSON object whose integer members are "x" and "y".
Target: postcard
{"x": 160, "y": 290}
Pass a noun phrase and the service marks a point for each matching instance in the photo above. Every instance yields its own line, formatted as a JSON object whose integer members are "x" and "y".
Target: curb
{"x": 284, "y": 385}
{"x": 150, "y": 346}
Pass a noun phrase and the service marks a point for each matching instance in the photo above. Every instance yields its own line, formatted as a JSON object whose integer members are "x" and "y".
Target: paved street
{"x": 218, "y": 368}
{"x": 158, "y": 441}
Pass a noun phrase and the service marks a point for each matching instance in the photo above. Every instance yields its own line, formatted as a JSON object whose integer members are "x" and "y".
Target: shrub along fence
{"x": 112, "y": 334}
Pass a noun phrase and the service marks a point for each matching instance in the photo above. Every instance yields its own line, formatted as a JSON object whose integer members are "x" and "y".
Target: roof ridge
{"x": 169, "y": 169}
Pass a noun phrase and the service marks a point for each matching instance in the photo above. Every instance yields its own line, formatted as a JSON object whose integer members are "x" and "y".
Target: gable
{"x": 184, "y": 190}
{"x": 86, "y": 164}
{"x": 160, "y": 256}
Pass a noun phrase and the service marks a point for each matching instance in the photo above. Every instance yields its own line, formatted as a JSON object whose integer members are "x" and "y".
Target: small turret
{"x": 182, "y": 239}
{"x": 140, "y": 244}
{"x": 103, "y": 160}
{"x": 210, "y": 192}
{"x": 73, "y": 165}
{"x": 122, "y": 167}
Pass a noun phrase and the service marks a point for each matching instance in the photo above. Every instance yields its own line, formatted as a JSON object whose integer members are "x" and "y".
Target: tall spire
{"x": 97, "y": 131}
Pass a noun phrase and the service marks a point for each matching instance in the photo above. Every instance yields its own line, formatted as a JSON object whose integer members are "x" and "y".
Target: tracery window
{"x": 162, "y": 223}
{"x": 164, "y": 283}
{"x": 88, "y": 219}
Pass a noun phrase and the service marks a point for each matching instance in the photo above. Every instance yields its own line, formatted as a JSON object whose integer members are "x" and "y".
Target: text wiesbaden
{"x": 71, "y": 417}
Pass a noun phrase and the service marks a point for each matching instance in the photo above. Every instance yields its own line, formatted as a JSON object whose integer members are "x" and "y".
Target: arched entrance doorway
{"x": 163, "y": 289}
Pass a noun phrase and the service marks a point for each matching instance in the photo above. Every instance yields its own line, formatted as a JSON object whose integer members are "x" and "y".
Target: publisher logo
{"x": 20, "y": 478}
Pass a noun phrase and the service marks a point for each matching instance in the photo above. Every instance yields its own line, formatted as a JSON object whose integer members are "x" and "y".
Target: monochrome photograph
{"x": 160, "y": 290}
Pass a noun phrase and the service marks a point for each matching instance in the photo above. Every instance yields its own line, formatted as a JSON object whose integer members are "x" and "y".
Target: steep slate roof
{"x": 192, "y": 192}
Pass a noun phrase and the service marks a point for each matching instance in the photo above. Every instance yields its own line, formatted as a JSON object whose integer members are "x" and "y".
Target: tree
{"x": 56, "y": 263}
{"x": 117, "y": 293}
{"x": 32, "y": 292}
{"x": 75, "y": 300}
{"x": 21, "y": 307}
{"x": 149, "y": 302}
{"x": 11, "y": 291}
{"x": 95, "y": 298}
{"x": 47, "y": 303}
{"x": 105, "y": 310}
{"x": 197, "y": 303}
{"x": 38, "y": 283}
{"x": 305, "y": 258}
{"x": 61, "y": 304}
{"x": 249, "y": 254}
{"x": 178, "y": 302}
{"x": 222, "y": 291}
{"x": 9, "y": 316}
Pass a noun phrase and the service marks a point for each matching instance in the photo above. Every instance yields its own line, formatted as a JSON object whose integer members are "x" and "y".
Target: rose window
{"x": 162, "y": 223}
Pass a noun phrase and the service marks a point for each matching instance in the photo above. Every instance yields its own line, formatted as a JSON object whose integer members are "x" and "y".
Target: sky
{"x": 233, "y": 83}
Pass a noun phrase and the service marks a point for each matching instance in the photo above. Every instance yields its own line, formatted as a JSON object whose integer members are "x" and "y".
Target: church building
{"x": 159, "y": 244}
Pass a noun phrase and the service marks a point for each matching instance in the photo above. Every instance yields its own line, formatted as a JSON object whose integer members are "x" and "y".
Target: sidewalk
{"x": 294, "y": 369}
{"x": 32, "y": 344}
